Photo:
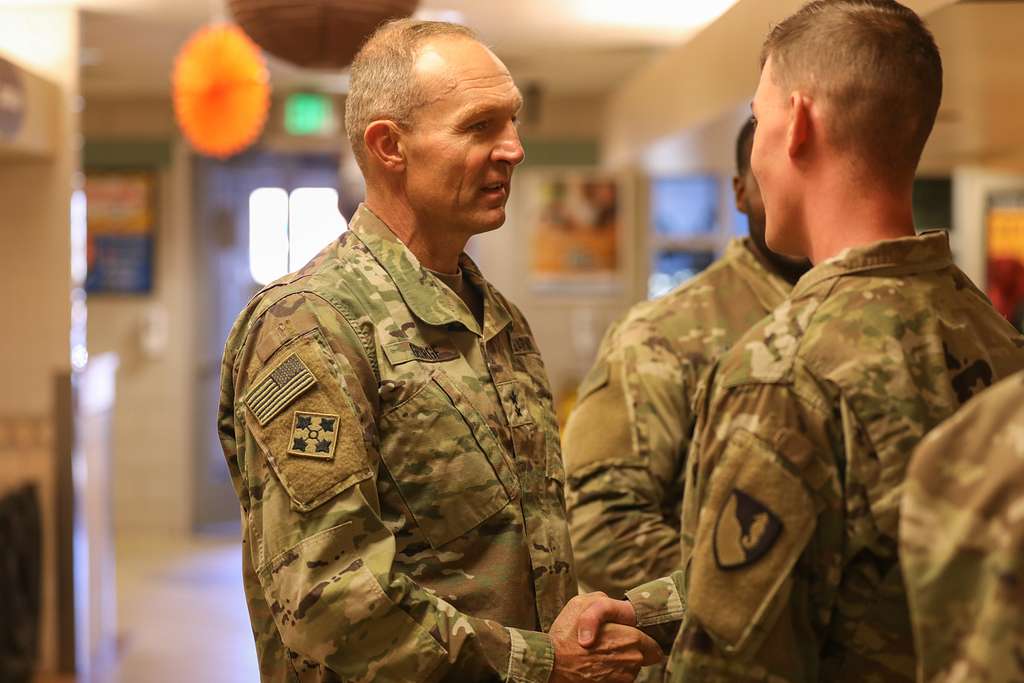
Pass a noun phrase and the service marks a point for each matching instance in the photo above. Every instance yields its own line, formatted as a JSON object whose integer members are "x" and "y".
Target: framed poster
{"x": 1004, "y": 237}
{"x": 120, "y": 226}
{"x": 578, "y": 230}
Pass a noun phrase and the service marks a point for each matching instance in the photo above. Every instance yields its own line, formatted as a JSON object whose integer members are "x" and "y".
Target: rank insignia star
{"x": 745, "y": 531}
{"x": 313, "y": 435}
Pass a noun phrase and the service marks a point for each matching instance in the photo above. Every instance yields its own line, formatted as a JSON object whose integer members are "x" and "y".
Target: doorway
{"x": 223, "y": 212}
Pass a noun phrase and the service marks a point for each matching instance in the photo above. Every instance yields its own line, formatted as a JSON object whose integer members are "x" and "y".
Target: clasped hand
{"x": 596, "y": 639}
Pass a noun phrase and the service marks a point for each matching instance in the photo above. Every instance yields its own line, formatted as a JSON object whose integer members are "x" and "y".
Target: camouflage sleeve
{"x": 762, "y": 526}
{"x": 962, "y": 542}
{"x": 660, "y": 601}
{"x": 623, "y": 447}
{"x": 322, "y": 553}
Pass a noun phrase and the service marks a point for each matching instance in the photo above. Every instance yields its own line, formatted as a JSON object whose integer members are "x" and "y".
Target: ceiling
{"x": 574, "y": 47}
{"x": 980, "y": 120}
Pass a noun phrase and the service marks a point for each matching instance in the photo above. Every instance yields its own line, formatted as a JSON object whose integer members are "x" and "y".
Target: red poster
{"x": 1005, "y": 248}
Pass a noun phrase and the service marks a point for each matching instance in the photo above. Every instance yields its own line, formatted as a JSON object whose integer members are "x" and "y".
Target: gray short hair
{"x": 381, "y": 84}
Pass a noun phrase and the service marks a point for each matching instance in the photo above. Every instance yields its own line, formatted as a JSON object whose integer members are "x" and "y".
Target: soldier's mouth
{"x": 496, "y": 190}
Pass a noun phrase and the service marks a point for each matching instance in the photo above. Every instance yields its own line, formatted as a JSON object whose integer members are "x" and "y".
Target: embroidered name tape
{"x": 523, "y": 344}
{"x": 283, "y": 385}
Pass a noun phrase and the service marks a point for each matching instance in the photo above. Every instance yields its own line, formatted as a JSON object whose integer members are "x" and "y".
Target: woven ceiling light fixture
{"x": 319, "y": 34}
{"x": 221, "y": 91}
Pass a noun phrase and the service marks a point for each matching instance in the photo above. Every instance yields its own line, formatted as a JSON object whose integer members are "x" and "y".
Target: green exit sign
{"x": 308, "y": 113}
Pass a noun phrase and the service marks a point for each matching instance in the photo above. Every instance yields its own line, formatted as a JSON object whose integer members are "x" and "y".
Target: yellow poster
{"x": 1006, "y": 233}
{"x": 577, "y": 226}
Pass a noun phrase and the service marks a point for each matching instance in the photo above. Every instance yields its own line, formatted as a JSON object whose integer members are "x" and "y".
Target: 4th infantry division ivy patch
{"x": 313, "y": 435}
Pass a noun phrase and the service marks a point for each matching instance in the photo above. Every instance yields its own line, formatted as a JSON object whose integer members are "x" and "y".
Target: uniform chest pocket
{"x": 448, "y": 466}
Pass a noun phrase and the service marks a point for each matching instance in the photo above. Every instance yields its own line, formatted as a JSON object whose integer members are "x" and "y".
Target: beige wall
{"x": 34, "y": 224}
{"x": 35, "y": 280}
{"x": 579, "y": 117}
{"x": 153, "y": 439}
{"x": 107, "y": 117}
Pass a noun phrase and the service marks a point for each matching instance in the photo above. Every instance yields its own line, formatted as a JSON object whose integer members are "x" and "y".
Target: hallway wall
{"x": 35, "y": 280}
{"x": 153, "y": 417}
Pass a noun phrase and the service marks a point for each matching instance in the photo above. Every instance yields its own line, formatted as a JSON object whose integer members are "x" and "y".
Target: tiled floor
{"x": 181, "y": 612}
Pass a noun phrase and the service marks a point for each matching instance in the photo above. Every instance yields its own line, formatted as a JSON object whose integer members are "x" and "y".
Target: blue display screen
{"x": 684, "y": 206}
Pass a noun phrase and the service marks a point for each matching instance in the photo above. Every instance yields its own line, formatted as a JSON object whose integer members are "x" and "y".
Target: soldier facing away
{"x": 802, "y": 443}
{"x": 962, "y": 542}
{"x": 387, "y": 419}
{"x": 626, "y": 442}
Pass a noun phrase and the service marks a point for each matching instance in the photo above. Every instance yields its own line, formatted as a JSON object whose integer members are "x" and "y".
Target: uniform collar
{"x": 740, "y": 252}
{"x": 428, "y": 299}
{"x": 928, "y": 251}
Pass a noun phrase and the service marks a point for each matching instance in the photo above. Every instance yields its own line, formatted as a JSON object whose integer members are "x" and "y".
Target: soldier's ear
{"x": 739, "y": 192}
{"x": 799, "y": 131}
{"x": 383, "y": 143}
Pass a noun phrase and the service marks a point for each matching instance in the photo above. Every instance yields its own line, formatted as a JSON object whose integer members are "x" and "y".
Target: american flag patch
{"x": 282, "y": 386}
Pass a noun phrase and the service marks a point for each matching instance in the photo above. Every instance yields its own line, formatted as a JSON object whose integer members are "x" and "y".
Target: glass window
{"x": 268, "y": 234}
{"x": 313, "y": 222}
{"x": 684, "y": 206}
{"x": 672, "y": 268}
{"x": 286, "y": 231}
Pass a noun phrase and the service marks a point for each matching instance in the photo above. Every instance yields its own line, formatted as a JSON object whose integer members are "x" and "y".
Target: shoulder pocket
{"x": 600, "y": 428}
{"x": 596, "y": 379}
{"x": 302, "y": 416}
{"x": 756, "y": 520}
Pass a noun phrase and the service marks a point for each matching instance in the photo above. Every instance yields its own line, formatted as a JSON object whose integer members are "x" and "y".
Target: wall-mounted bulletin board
{"x": 120, "y": 213}
{"x": 578, "y": 222}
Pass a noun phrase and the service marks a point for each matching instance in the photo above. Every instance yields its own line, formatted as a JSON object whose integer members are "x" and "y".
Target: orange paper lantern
{"x": 221, "y": 91}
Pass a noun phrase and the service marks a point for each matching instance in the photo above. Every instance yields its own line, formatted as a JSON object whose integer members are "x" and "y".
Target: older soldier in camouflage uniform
{"x": 386, "y": 416}
{"x": 790, "y": 520}
{"x": 962, "y": 542}
{"x": 626, "y": 441}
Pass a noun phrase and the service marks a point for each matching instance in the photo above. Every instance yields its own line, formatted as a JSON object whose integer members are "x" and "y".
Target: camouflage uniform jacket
{"x": 790, "y": 520}
{"x": 399, "y": 473}
{"x": 962, "y": 542}
{"x": 627, "y": 439}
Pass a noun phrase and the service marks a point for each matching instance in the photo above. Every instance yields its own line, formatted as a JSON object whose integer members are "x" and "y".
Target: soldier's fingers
{"x": 583, "y": 599}
{"x": 603, "y": 611}
{"x": 634, "y": 647}
{"x": 650, "y": 649}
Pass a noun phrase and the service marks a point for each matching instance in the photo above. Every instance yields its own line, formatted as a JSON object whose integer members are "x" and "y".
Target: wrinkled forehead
{"x": 456, "y": 71}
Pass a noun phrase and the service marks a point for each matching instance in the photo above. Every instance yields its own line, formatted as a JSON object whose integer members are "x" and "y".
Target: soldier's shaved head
{"x": 874, "y": 67}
